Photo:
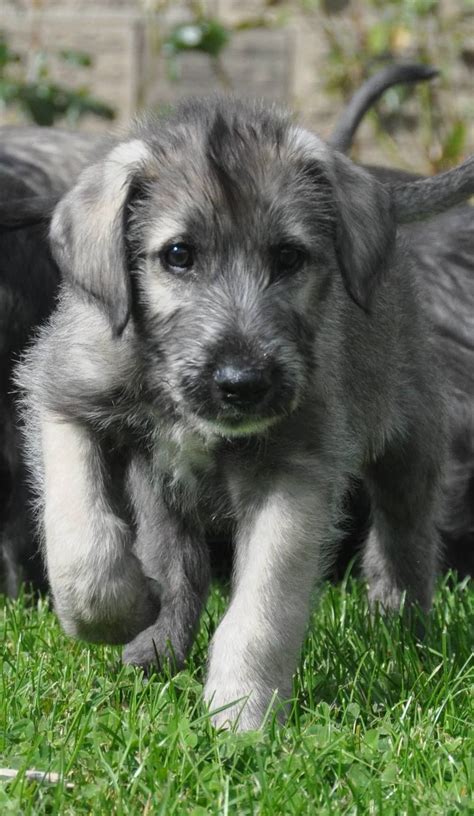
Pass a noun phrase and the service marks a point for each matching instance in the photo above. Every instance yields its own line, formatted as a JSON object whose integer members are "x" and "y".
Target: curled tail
{"x": 370, "y": 92}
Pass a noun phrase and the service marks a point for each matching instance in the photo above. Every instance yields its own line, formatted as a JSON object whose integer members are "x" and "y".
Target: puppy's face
{"x": 236, "y": 251}
{"x": 225, "y": 232}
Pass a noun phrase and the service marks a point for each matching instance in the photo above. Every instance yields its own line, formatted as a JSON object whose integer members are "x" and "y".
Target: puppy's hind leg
{"x": 401, "y": 552}
{"x": 174, "y": 554}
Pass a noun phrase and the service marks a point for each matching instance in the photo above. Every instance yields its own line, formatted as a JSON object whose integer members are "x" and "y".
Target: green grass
{"x": 379, "y": 725}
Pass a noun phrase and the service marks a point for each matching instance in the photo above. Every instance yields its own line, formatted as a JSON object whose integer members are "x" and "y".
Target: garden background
{"x": 380, "y": 723}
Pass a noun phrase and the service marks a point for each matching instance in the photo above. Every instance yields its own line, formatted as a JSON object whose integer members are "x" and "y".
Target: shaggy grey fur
{"x": 37, "y": 165}
{"x": 240, "y": 333}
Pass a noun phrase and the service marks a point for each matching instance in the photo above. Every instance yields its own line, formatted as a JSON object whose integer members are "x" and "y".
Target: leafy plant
{"x": 381, "y": 32}
{"x": 201, "y": 34}
{"x": 42, "y": 99}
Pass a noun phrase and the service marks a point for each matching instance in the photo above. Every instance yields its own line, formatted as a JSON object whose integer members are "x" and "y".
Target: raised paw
{"x": 108, "y": 611}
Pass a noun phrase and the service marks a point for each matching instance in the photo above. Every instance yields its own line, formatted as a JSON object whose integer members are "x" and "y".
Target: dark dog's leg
{"x": 20, "y": 560}
{"x": 174, "y": 553}
{"x": 20, "y": 553}
{"x": 403, "y": 545}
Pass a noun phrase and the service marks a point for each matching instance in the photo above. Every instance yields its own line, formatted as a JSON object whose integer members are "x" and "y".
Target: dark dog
{"x": 239, "y": 335}
{"x": 444, "y": 253}
{"x": 443, "y": 249}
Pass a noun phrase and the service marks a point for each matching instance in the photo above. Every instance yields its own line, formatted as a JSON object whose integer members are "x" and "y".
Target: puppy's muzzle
{"x": 246, "y": 388}
{"x": 238, "y": 395}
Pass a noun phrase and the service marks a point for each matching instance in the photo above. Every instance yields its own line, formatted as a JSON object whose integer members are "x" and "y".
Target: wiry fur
{"x": 128, "y": 393}
{"x": 38, "y": 164}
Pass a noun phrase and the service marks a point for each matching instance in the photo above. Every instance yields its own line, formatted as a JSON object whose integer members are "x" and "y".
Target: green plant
{"x": 380, "y": 32}
{"x": 201, "y": 34}
{"x": 39, "y": 97}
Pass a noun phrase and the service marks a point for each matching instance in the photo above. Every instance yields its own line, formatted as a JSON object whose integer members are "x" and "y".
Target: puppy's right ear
{"x": 88, "y": 226}
{"x": 365, "y": 228}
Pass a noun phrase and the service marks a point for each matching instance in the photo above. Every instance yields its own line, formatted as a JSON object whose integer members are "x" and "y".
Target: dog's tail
{"x": 370, "y": 92}
{"x": 416, "y": 200}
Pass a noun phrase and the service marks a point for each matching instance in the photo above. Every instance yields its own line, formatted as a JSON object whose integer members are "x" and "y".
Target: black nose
{"x": 242, "y": 386}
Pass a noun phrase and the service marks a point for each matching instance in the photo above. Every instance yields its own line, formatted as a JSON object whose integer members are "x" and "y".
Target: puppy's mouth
{"x": 245, "y": 426}
{"x": 239, "y": 401}
{"x": 233, "y": 422}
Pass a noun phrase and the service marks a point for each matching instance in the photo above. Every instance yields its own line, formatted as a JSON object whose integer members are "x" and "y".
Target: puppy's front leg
{"x": 99, "y": 589}
{"x": 256, "y": 647}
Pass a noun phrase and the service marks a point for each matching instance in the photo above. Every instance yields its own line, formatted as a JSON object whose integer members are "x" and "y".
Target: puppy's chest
{"x": 187, "y": 467}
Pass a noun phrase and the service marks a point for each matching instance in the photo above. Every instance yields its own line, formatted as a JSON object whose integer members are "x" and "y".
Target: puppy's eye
{"x": 178, "y": 256}
{"x": 289, "y": 258}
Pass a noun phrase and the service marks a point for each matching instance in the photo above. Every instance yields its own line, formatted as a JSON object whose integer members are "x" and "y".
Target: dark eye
{"x": 289, "y": 258}
{"x": 178, "y": 256}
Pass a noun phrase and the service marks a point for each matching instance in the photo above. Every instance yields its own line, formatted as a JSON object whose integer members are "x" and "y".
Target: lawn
{"x": 379, "y": 724}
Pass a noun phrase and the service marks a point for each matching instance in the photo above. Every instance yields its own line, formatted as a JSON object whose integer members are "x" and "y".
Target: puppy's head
{"x": 225, "y": 232}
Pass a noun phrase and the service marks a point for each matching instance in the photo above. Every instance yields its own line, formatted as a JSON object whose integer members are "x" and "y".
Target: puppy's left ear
{"x": 365, "y": 228}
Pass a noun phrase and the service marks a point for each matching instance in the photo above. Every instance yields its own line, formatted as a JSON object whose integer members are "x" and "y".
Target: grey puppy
{"x": 37, "y": 165}
{"x": 239, "y": 334}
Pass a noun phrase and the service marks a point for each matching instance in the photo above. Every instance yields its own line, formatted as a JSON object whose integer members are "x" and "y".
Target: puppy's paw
{"x": 155, "y": 646}
{"x": 395, "y": 603}
{"x": 113, "y": 609}
{"x": 385, "y": 596}
{"x": 233, "y": 709}
{"x": 242, "y": 686}
{"x": 238, "y": 698}
{"x": 168, "y": 640}
{"x": 242, "y": 708}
